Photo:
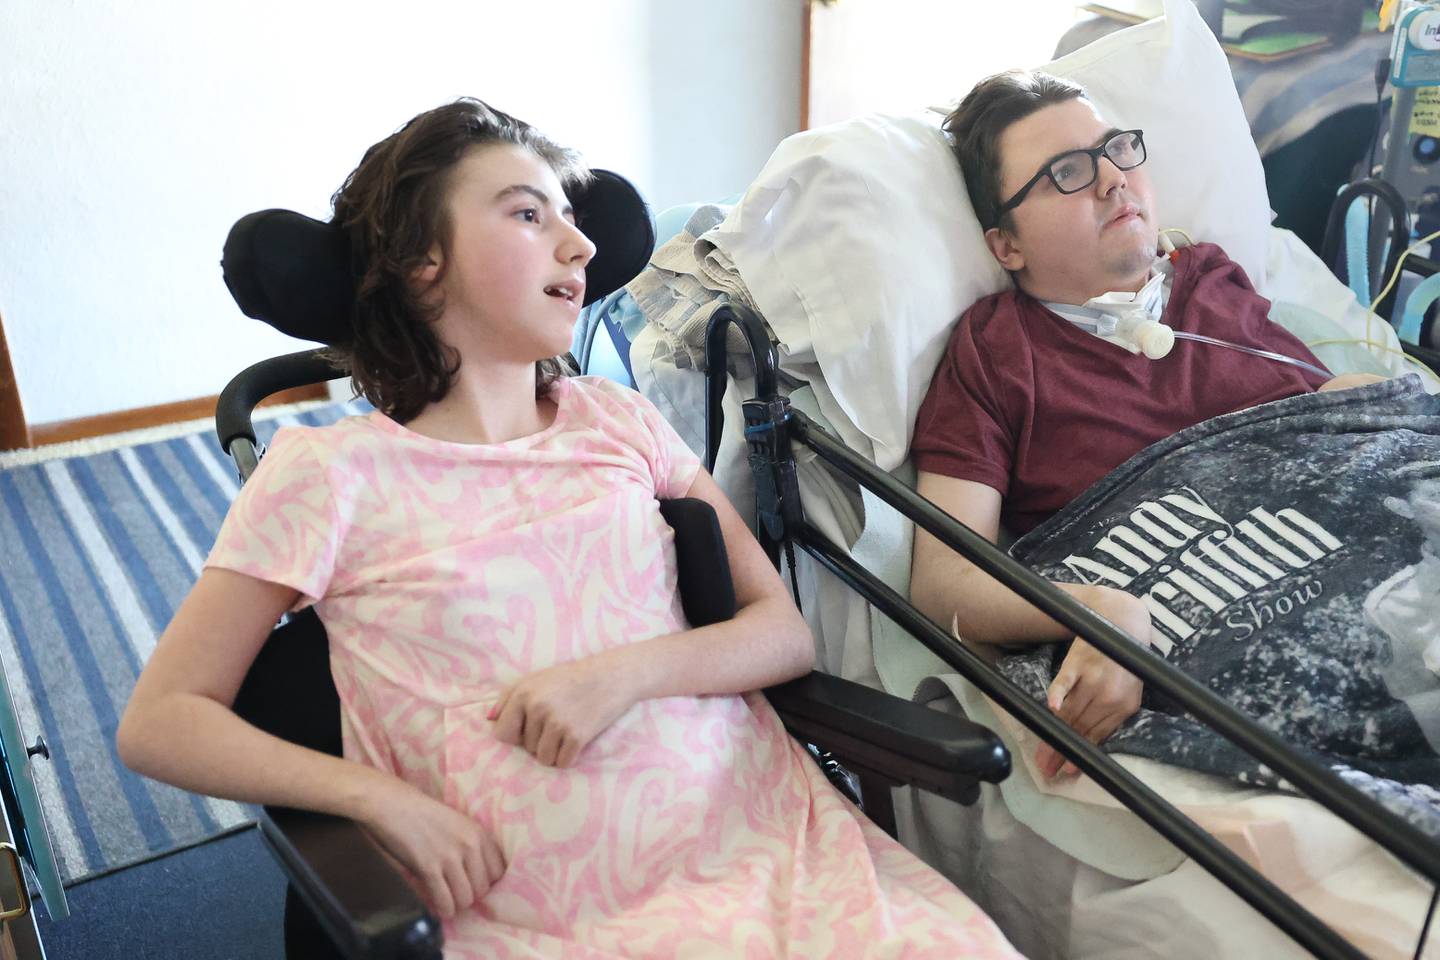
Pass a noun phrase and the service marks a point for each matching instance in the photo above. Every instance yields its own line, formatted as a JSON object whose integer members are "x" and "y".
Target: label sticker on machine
{"x": 1417, "y": 53}
{"x": 1425, "y": 120}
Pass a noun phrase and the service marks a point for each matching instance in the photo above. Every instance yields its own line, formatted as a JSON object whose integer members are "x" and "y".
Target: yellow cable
{"x": 1399, "y": 264}
{"x": 1387, "y": 14}
{"x": 1369, "y": 312}
{"x": 1395, "y": 275}
{"x": 1419, "y": 367}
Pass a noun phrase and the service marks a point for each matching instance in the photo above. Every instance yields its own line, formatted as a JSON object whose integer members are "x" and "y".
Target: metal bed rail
{"x": 770, "y": 427}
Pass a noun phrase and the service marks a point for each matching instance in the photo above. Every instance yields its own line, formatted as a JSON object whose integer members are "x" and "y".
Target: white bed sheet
{"x": 1161, "y": 904}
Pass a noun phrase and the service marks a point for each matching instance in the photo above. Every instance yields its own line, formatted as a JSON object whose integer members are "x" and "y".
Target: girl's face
{"x": 515, "y": 276}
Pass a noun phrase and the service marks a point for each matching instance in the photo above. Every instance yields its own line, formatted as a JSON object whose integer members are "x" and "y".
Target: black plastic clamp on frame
{"x": 768, "y": 443}
{"x": 777, "y": 486}
{"x": 777, "y": 491}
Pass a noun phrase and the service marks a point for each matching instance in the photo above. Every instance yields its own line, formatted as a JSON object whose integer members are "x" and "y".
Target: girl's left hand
{"x": 555, "y": 713}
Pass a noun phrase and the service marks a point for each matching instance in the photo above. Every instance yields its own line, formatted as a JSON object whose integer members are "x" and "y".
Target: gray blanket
{"x": 1290, "y": 558}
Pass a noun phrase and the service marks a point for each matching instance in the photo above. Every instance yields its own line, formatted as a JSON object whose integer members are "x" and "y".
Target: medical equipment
{"x": 1132, "y": 321}
{"x": 1408, "y": 171}
{"x": 1413, "y": 144}
{"x": 1346, "y": 251}
{"x": 1155, "y": 340}
{"x": 1141, "y": 334}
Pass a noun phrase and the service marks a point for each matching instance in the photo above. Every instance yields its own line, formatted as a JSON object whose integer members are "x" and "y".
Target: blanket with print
{"x": 1290, "y": 558}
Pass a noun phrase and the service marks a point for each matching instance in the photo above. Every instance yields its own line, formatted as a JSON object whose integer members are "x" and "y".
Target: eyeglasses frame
{"x": 1094, "y": 153}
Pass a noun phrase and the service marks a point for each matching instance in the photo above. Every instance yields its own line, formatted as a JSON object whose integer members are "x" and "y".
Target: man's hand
{"x": 555, "y": 713}
{"x": 450, "y": 857}
{"x": 1347, "y": 380}
{"x": 1092, "y": 693}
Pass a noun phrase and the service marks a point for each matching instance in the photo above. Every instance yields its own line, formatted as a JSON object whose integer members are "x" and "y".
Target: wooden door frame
{"x": 805, "y": 66}
{"x": 14, "y": 432}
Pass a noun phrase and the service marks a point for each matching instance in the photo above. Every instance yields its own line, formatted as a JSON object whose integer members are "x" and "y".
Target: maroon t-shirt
{"x": 1028, "y": 403}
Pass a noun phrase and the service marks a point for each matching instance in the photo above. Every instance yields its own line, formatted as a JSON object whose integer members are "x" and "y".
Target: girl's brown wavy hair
{"x": 393, "y": 208}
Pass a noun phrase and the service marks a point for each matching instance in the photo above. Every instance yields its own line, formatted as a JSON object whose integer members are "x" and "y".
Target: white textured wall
{"x": 868, "y": 55}
{"x": 133, "y": 135}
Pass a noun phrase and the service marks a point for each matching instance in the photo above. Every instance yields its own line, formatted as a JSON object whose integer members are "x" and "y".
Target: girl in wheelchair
{"x": 531, "y": 728}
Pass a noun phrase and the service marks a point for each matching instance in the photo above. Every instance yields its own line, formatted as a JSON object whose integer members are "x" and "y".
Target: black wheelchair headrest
{"x": 294, "y": 272}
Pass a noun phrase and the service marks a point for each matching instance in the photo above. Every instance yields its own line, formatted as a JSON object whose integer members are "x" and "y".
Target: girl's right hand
{"x": 452, "y": 857}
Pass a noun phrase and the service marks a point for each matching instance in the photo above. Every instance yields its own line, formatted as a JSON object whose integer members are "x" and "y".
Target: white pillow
{"x": 859, "y": 245}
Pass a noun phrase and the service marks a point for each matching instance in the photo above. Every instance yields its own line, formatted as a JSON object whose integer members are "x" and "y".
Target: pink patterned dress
{"x": 444, "y": 572}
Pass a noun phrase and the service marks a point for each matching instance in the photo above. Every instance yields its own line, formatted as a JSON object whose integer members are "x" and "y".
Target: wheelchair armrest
{"x": 902, "y": 741}
{"x": 358, "y": 897}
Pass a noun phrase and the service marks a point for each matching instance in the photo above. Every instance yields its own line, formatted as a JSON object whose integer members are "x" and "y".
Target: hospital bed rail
{"x": 770, "y": 427}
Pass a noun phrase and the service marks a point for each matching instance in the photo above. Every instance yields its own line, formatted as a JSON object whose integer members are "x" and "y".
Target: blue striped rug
{"x": 96, "y": 552}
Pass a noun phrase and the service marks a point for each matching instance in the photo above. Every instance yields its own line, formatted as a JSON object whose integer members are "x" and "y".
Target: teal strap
{"x": 1357, "y": 263}
{"x": 1416, "y": 304}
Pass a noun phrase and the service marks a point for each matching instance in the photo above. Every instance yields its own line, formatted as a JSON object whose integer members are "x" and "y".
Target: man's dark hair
{"x": 393, "y": 207}
{"x": 975, "y": 127}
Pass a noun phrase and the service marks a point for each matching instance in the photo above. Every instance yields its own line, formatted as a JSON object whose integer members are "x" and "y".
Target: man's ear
{"x": 1003, "y": 247}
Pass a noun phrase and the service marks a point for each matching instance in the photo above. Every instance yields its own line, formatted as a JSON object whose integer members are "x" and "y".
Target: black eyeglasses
{"x": 1074, "y": 170}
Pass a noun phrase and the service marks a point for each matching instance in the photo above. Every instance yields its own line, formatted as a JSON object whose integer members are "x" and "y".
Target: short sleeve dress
{"x": 445, "y": 572}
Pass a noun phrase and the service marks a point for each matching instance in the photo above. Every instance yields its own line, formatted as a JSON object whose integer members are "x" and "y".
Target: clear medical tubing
{"x": 1254, "y": 351}
{"x": 1155, "y": 340}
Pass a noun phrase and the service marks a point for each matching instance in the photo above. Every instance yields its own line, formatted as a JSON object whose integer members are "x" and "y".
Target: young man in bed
{"x": 1028, "y": 408}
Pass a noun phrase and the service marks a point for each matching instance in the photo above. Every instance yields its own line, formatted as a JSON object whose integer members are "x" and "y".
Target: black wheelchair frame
{"x": 772, "y": 426}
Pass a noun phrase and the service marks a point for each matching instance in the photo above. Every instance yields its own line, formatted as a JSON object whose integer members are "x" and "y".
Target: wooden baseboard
{"x": 83, "y": 428}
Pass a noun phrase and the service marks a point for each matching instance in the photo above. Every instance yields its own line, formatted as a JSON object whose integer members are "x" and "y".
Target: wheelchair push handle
{"x": 253, "y": 384}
